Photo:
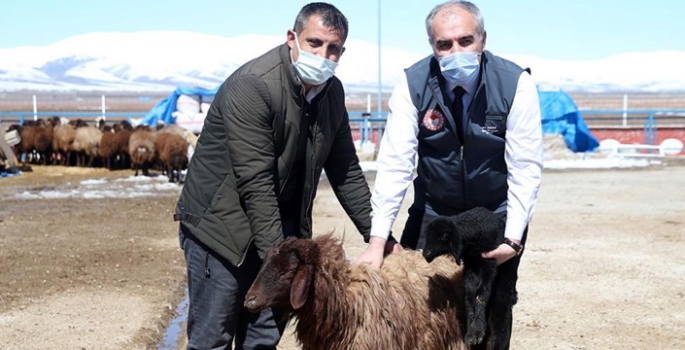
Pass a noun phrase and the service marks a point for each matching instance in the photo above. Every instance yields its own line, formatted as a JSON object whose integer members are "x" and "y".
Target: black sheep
{"x": 466, "y": 236}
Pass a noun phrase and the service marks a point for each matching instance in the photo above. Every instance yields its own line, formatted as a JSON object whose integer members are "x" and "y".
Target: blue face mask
{"x": 460, "y": 68}
{"x": 313, "y": 69}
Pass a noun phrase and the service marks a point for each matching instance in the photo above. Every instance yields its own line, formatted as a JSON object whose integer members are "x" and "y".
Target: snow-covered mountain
{"x": 163, "y": 60}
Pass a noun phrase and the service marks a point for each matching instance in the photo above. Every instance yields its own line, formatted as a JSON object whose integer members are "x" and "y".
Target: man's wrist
{"x": 514, "y": 244}
{"x": 377, "y": 242}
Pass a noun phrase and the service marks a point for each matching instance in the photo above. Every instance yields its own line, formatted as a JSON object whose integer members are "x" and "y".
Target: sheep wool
{"x": 408, "y": 304}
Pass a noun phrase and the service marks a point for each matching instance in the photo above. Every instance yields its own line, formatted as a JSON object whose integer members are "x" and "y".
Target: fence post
{"x": 625, "y": 110}
{"x": 364, "y": 128}
{"x": 35, "y": 108}
{"x": 104, "y": 117}
{"x": 652, "y": 129}
{"x": 368, "y": 103}
{"x": 649, "y": 136}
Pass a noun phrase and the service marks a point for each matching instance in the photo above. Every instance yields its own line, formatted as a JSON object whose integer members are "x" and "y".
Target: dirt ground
{"x": 603, "y": 267}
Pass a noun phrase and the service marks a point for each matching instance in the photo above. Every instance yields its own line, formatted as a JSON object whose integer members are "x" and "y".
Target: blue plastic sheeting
{"x": 163, "y": 109}
{"x": 560, "y": 116}
{"x": 8, "y": 174}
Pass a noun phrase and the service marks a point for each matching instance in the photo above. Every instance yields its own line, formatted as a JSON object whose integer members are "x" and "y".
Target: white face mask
{"x": 313, "y": 69}
{"x": 460, "y": 68}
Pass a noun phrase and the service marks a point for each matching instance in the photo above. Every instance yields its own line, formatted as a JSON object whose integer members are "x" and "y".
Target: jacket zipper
{"x": 242, "y": 260}
{"x": 313, "y": 172}
{"x": 303, "y": 112}
{"x": 463, "y": 175}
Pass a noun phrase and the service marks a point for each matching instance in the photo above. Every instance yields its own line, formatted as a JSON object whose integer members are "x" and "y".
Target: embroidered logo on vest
{"x": 434, "y": 119}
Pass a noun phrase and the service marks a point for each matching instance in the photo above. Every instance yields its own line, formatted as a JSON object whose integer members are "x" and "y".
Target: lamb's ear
{"x": 456, "y": 251}
{"x": 455, "y": 244}
{"x": 300, "y": 287}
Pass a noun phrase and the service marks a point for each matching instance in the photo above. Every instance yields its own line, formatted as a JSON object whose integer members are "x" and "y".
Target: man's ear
{"x": 290, "y": 37}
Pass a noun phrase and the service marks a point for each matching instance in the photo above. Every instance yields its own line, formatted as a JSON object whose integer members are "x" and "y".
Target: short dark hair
{"x": 330, "y": 15}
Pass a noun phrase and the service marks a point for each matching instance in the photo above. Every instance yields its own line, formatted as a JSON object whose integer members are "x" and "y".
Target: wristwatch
{"x": 517, "y": 247}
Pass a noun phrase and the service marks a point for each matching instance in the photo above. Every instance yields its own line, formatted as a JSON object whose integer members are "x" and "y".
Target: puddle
{"x": 173, "y": 332}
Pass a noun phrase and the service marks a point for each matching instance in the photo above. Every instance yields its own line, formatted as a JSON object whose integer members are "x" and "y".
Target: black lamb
{"x": 466, "y": 236}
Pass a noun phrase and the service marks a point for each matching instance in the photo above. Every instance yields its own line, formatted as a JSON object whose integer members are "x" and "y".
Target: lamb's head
{"x": 285, "y": 278}
{"x": 442, "y": 237}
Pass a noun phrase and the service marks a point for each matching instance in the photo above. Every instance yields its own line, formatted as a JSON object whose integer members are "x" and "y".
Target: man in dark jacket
{"x": 275, "y": 124}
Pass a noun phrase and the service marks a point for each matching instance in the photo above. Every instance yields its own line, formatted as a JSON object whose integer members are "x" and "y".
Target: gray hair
{"x": 465, "y": 5}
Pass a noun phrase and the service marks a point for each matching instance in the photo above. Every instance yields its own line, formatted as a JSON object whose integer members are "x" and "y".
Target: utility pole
{"x": 380, "y": 83}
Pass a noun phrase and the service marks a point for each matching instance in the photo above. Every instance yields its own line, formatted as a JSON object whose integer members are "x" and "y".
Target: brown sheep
{"x": 141, "y": 147}
{"x": 186, "y": 134}
{"x": 109, "y": 147}
{"x": 26, "y": 146}
{"x": 122, "y": 133}
{"x": 36, "y": 141}
{"x": 408, "y": 304}
{"x": 87, "y": 144}
{"x": 62, "y": 142}
{"x": 172, "y": 129}
{"x": 42, "y": 140}
{"x": 173, "y": 155}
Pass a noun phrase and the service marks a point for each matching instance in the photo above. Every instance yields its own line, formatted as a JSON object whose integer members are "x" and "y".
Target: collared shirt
{"x": 398, "y": 151}
{"x": 468, "y": 96}
{"x": 314, "y": 89}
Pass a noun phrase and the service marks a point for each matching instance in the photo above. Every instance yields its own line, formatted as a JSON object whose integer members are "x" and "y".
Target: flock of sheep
{"x": 58, "y": 141}
{"x": 418, "y": 300}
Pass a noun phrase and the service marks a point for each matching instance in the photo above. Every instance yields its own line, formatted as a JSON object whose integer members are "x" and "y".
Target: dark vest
{"x": 454, "y": 177}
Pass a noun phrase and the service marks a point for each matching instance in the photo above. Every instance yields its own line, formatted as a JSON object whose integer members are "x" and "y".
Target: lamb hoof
{"x": 474, "y": 337}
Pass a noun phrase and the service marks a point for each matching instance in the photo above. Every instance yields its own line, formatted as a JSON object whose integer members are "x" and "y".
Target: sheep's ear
{"x": 456, "y": 251}
{"x": 456, "y": 245}
{"x": 300, "y": 287}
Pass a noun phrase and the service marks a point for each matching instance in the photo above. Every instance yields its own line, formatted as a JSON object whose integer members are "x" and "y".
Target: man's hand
{"x": 392, "y": 247}
{"x": 502, "y": 253}
{"x": 373, "y": 255}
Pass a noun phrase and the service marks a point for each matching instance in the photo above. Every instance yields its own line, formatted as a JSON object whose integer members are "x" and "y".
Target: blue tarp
{"x": 560, "y": 115}
{"x": 9, "y": 174}
{"x": 164, "y": 108}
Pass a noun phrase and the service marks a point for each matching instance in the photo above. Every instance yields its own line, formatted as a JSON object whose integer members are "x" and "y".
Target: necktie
{"x": 458, "y": 112}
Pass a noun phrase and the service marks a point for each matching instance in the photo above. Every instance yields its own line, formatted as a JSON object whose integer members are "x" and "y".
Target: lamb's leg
{"x": 479, "y": 287}
{"x": 504, "y": 297}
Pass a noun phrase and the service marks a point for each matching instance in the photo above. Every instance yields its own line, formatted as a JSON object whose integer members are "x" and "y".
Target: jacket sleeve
{"x": 248, "y": 121}
{"x": 347, "y": 180}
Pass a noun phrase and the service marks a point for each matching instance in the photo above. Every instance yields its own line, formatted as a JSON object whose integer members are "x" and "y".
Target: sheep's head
{"x": 442, "y": 237}
{"x": 286, "y": 275}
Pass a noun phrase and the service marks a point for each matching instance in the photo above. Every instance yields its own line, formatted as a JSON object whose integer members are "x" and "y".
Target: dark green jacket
{"x": 245, "y": 152}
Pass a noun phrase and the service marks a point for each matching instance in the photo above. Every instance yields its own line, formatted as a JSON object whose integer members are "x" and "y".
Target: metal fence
{"x": 630, "y": 109}
{"x": 21, "y": 117}
{"x": 648, "y": 111}
{"x": 78, "y": 102}
{"x": 142, "y": 101}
